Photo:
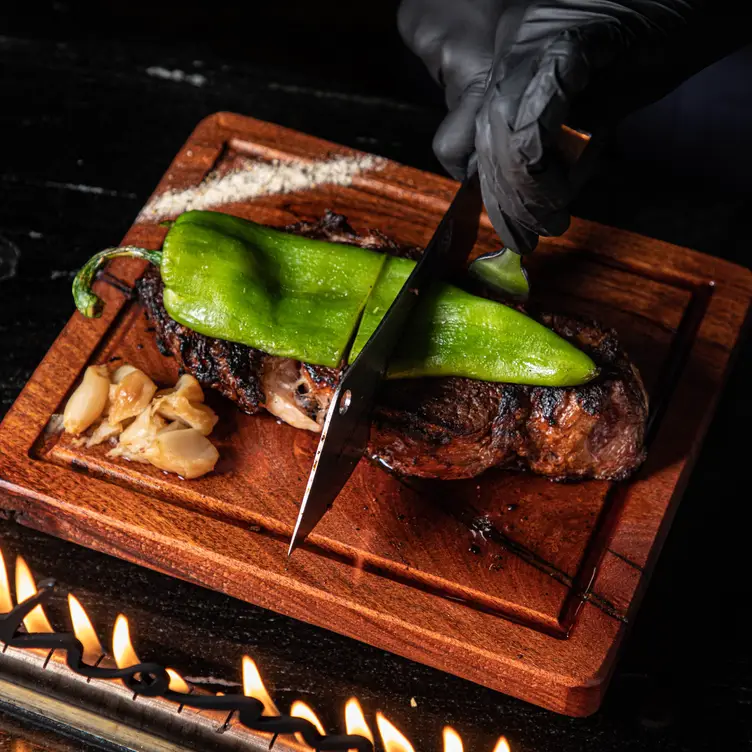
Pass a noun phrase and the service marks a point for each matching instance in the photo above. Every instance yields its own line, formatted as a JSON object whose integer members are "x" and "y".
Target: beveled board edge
{"x": 506, "y": 656}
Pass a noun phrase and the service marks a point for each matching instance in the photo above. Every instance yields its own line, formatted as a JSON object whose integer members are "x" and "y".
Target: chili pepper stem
{"x": 86, "y": 300}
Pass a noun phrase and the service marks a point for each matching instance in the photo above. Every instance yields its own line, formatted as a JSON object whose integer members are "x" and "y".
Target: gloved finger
{"x": 455, "y": 40}
{"x": 510, "y": 231}
{"x": 535, "y": 197}
{"x": 547, "y": 181}
{"x": 454, "y": 141}
{"x": 466, "y": 67}
{"x": 509, "y": 189}
{"x": 422, "y": 34}
{"x": 521, "y": 180}
{"x": 520, "y": 122}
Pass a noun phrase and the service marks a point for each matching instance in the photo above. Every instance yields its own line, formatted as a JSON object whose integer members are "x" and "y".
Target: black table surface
{"x": 89, "y": 121}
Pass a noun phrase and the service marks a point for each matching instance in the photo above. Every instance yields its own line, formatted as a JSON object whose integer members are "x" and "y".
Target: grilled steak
{"x": 442, "y": 427}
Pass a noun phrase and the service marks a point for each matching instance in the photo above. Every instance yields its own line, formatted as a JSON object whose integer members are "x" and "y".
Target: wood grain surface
{"x": 538, "y": 608}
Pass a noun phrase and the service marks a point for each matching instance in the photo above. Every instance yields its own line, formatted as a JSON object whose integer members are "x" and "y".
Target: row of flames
{"x": 124, "y": 655}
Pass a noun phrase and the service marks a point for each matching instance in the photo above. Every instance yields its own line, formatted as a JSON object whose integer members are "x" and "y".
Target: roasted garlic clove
{"x": 131, "y": 394}
{"x": 186, "y": 452}
{"x": 88, "y": 402}
{"x": 140, "y": 421}
{"x": 188, "y": 386}
{"x": 120, "y": 373}
{"x": 177, "y": 407}
{"x": 184, "y": 403}
{"x": 136, "y": 440}
{"x": 103, "y": 432}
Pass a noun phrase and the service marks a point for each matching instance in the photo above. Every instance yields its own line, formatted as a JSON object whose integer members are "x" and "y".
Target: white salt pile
{"x": 258, "y": 179}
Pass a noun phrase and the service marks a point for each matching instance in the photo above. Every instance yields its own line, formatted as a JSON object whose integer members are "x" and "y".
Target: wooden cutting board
{"x": 537, "y": 608}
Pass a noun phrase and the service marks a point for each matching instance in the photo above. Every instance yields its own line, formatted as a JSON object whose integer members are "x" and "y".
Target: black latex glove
{"x": 515, "y": 71}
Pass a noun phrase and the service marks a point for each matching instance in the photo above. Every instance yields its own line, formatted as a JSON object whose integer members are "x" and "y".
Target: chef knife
{"x": 347, "y": 425}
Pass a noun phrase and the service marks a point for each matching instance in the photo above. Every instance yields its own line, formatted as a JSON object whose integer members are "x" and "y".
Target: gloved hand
{"x": 515, "y": 71}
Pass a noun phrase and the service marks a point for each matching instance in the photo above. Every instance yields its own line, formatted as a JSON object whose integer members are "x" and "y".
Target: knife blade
{"x": 344, "y": 436}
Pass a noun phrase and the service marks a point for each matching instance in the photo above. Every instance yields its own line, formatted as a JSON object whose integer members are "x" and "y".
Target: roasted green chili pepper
{"x": 240, "y": 281}
{"x": 294, "y": 297}
{"x": 454, "y": 333}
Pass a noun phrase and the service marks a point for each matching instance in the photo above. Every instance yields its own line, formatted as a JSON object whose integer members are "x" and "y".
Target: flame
{"x": 84, "y": 631}
{"x": 254, "y": 687}
{"x": 177, "y": 683}
{"x": 36, "y": 620}
{"x": 393, "y": 740}
{"x": 502, "y": 745}
{"x": 6, "y": 602}
{"x": 301, "y": 710}
{"x": 452, "y": 741}
{"x": 355, "y": 721}
{"x": 122, "y": 649}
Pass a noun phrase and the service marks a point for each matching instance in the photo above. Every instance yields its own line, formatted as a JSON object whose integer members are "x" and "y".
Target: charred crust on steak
{"x": 547, "y": 401}
{"x": 232, "y": 369}
{"x": 444, "y": 427}
{"x": 334, "y": 228}
{"x": 322, "y": 376}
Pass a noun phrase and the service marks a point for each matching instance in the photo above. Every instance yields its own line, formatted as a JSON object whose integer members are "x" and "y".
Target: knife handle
{"x": 571, "y": 143}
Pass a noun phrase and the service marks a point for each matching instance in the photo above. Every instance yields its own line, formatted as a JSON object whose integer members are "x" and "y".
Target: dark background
{"x": 87, "y": 127}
